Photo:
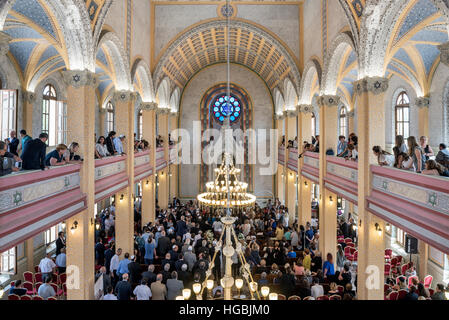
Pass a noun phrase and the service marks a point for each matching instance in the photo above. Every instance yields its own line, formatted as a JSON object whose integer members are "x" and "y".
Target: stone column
{"x": 29, "y": 98}
{"x": 124, "y": 218}
{"x": 444, "y": 56}
{"x": 304, "y": 186}
{"x": 102, "y": 120}
{"x": 327, "y": 207}
{"x": 291, "y": 184}
{"x": 423, "y": 115}
{"x": 163, "y": 190}
{"x": 29, "y": 253}
{"x": 423, "y": 256}
{"x": 351, "y": 118}
{"x": 81, "y": 87}
{"x": 371, "y": 245}
{"x": 148, "y": 187}
{"x": 280, "y": 175}
{"x": 173, "y": 178}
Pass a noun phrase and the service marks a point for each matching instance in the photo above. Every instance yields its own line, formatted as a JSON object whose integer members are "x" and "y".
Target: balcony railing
{"x": 281, "y": 155}
{"x": 311, "y": 167}
{"x": 32, "y": 202}
{"x": 173, "y": 154}
{"x": 110, "y": 176}
{"x": 142, "y": 166}
{"x": 293, "y": 159}
{"x": 418, "y": 203}
{"x": 160, "y": 159}
{"x": 342, "y": 177}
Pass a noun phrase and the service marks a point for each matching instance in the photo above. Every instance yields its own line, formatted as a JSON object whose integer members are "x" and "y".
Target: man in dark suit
{"x": 181, "y": 227}
{"x": 163, "y": 244}
{"x": 34, "y": 155}
{"x": 149, "y": 275}
{"x": 108, "y": 254}
{"x": 13, "y": 143}
{"x": 60, "y": 242}
{"x": 124, "y": 289}
{"x": 106, "y": 279}
{"x": 134, "y": 271}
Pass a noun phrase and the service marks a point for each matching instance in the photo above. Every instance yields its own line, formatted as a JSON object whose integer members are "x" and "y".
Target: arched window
{"x": 8, "y": 112}
{"x": 313, "y": 124}
{"x": 110, "y": 117}
{"x": 222, "y": 108}
{"x": 54, "y": 117}
{"x": 140, "y": 125}
{"x": 402, "y": 111}
{"x": 343, "y": 122}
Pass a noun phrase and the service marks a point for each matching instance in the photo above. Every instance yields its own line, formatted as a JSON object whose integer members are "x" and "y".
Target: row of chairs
{"x": 32, "y": 289}
{"x": 29, "y": 298}
{"x": 58, "y": 279}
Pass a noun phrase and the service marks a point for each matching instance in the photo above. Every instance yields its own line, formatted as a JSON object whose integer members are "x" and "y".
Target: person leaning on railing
{"x": 7, "y": 161}
{"x": 56, "y": 157}
{"x": 101, "y": 150}
{"x": 33, "y": 156}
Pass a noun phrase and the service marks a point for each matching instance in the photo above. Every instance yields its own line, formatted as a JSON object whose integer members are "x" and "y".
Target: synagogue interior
{"x": 227, "y": 150}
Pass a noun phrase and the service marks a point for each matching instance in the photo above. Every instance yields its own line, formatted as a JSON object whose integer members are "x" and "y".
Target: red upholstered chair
{"x": 29, "y": 286}
{"x": 394, "y": 262}
{"x": 428, "y": 281}
{"x": 431, "y": 291}
{"x": 294, "y": 298}
{"x": 38, "y": 298}
{"x": 37, "y": 285}
{"x": 37, "y": 269}
{"x": 341, "y": 289}
{"x": 323, "y": 298}
{"x": 26, "y": 297}
{"x": 308, "y": 298}
{"x": 410, "y": 280}
{"x": 52, "y": 299}
{"x": 388, "y": 253}
{"x": 354, "y": 257}
{"x": 62, "y": 278}
{"x": 13, "y": 297}
{"x": 347, "y": 252}
{"x": 347, "y": 240}
{"x": 393, "y": 295}
{"x": 387, "y": 270}
{"x": 399, "y": 259}
{"x": 335, "y": 297}
{"x": 404, "y": 268}
{"x": 55, "y": 287}
{"x": 38, "y": 277}
{"x": 12, "y": 283}
{"x": 281, "y": 297}
{"x": 350, "y": 244}
{"x": 28, "y": 276}
{"x": 402, "y": 294}
{"x": 386, "y": 287}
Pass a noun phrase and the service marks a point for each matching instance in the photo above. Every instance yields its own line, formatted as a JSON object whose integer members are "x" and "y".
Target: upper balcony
{"x": 281, "y": 155}
{"x": 311, "y": 167}
{"x": 173, "y": 154}
{"x": 342, "y": 177}
{"x": 142, "y": 166}
{"x": 161, "y": 163}
{"x": 110, "y": 176}
{"x": 292, "y": 163}
{"x": 33, "y": 201}
{"x": 418, "y": 203}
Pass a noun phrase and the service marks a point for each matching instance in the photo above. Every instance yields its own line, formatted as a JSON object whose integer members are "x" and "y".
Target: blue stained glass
{"x": 232, "y": 118}
{"x": 237, "y": 109}
{"x": 226, "y": 107}
{"x": 221, "y": 119}
{"x": 217, "y": 114}
{"x": 236, "y": 114}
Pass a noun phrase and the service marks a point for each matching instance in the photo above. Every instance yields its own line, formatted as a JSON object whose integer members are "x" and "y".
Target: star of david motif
{"x": 123, "y": 96}
{"x": 433, "y": 199}
{"x": 377, "y": 85}
{"x": 17, "y": 198}
{"x": 76, "y": 78}
{"x": 99, "y": 173}
{"x": 385, "y": 185}
{"x": 353, "y": 175}
{"x": 331, "y": 100}
{"x": 227, "y": 10}
{"x": 66, "y": 182}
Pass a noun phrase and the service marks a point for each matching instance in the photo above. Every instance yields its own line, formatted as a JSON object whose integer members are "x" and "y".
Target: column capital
{"x": 351, "y": 114}
{"x": 174, "y": 114}
{"x": 103, "y": 110}
{"x": 422, "y": 102}
{"x": 29, "y": 97}
{"x": 5, "y": 39}
{"x": 305, "y": 108}
{"x": 163, "y": 111}
{"x": 444, "y": 56}
{"x": 291, "y": 113}
{"x": 148, "y": 106}
{"x": 328, "y": 101}
{"x": 124, "y": 96}
{"x": 278, "y": 116}
{"x": 375, "y": 85}
{"x": 78, "y": 78}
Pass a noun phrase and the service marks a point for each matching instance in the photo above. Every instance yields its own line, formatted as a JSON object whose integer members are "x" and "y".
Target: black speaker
{"x": 411, "y": 244}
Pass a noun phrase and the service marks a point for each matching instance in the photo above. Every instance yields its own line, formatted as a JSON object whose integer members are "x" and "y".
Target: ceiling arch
{"x": 206, "y": 44}
{"x": 311, "y": 81}
{"x": 143, "y": 83}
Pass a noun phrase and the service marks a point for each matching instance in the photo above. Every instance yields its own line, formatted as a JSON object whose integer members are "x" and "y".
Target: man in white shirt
{"x": 115, "y": 260}
{"x": 142, "y": 291}
{"x": 110, "y": 294}
{"x": 47, "y": 266}
{"x": 118, "y": 144}
{"x": 61, "y": 261}
{"x": 316, "y": 289}
{"x": 109, "y": 222}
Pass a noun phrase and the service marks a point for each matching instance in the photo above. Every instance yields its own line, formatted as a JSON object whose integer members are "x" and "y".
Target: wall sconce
{"x": 74, "y": 227}
{"x": 282, "y": 175}
{"x": 291, "y": 175}
{"x": 122, "y": 197}
{"x": 63, "y": 225}
{"x": 155, "y": 175}
{"x": 306, "y": 184}
{"x": 162, "y": 173}
{"x": 331, "y": 200}
{"x": 378, "y": 229}
{"x": 97, "y": 226}
{"x": 147, "y": 183}
{"x": 339, "y": 200}
{"x": 170, "y": 175}
{"x": 92, "y": 221}
{"x": 387, "y": 227}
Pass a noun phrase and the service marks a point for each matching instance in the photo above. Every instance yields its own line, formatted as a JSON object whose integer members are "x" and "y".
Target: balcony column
{"x": 351, "y": 119}
{"x": 124, "y": 216}
{"x": 280, "y": 176}
{"x": 29, "y": 98}
{"x": 328, "y": 201}
{"x": 29, "y": 254}
{"x": 148, "y": 187}
{"x": 291, "y": 183}
{"x": 423, "y": 115}
{"x": 423, "y": 257}
{"x": 371, "y": 243}
{"x": 102, "y": 119}
{"x": 444, "y": 56}
{"x": 163, "y": 190}
{"x": 81, "y": 87}
{"x": 304, "y": 185}
{"x": 173, "y": 178}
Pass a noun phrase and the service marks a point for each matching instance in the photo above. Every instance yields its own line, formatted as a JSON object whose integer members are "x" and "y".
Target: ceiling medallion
{"x": 227, "y": 10}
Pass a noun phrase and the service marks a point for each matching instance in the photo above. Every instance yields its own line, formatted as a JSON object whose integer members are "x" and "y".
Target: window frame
{"x": 343, "y": 122}
{"x": 53, "y": 116}
{"x": 313, "y": 124}
{"x": 11, "y": 111}
{"x": 140, "y": 125}
{"x": 10, "y": 254}
{"x": 110, "y": 117}
{"x": 402, "y": 108}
